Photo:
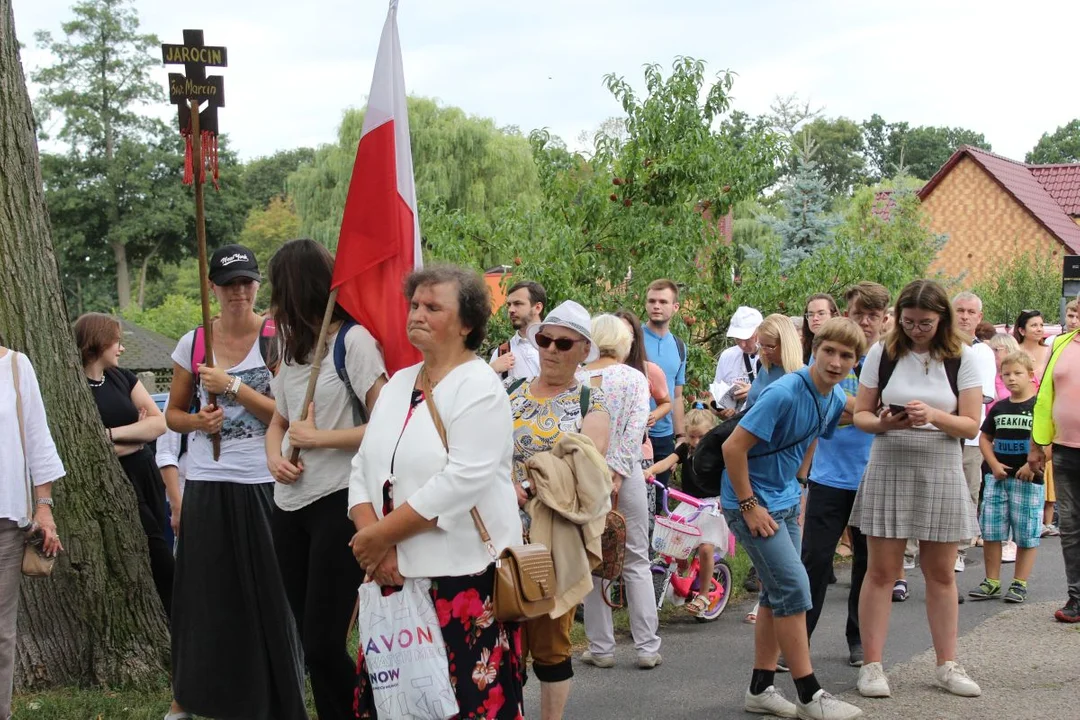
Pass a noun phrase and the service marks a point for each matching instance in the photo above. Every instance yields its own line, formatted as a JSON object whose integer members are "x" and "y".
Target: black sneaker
{"x": 1017, "y": 593}
{"x": 751, "y": 582}
{"x": 855, "y": 655}
{"x": 1070, "y": 613}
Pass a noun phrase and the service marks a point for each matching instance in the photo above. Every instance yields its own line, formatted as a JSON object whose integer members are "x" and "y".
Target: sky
{"x": 1004, "y": 69}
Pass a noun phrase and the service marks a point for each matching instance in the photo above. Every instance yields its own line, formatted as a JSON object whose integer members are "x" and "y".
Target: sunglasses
{"x": 561, "y": 344}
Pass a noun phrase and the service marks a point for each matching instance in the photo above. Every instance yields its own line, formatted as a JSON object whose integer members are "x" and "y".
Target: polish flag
{"x": 379, "y": 242}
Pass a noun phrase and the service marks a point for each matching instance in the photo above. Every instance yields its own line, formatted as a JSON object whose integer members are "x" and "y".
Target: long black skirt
{"x": 235, "y": 649}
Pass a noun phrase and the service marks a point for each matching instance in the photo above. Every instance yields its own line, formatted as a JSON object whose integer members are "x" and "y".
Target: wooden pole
{"x": 316, "y": 363}
{"x": 204, "y": 279}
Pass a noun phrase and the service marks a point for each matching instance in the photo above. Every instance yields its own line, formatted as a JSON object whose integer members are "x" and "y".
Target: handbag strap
{"x": 22, "y": 433}
{"x": 436, "y": 419}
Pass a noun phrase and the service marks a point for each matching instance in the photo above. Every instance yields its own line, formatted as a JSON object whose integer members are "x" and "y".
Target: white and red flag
{"x": 379, "y": 242}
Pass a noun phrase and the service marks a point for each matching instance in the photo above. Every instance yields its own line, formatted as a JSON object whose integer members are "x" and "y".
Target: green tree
{"x": 839, "y": 156}
{"x": 265, "y": 177}
{"x": 1061, "y": 146}
{"x": 919, "y": 151}
{"x": 1028, "y": 280}
{"x": 97, "y": 621}
{"x": 460, "y": 162}
{"x": 100, "y": 78}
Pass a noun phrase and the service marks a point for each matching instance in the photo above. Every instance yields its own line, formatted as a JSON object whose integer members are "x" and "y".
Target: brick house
{"x": 989, "y": 206}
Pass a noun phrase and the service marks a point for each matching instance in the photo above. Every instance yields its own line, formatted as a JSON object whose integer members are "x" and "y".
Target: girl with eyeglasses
{"x": 819, "y": 308}
{"x": 914, "y": 485}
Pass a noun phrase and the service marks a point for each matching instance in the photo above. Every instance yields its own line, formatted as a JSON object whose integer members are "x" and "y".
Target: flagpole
{"x": 204, "y": 282}
{"x": 316, "y": 364}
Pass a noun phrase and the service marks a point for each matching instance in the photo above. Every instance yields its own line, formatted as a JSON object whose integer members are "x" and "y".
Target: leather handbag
{"x": 35, "y": 562}
{"x": 524, "y": 574}
{"x": 613, "y": 551}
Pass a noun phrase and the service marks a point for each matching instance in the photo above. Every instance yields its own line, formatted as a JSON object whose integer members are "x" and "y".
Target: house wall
{"x": 984, "y": 224}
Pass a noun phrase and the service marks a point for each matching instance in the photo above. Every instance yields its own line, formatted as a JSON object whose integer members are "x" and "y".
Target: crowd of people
{"x": 901, "y": 431}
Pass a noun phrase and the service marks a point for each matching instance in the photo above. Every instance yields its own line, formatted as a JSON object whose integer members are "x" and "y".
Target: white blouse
{"x": 476, "y": 412}
{"x": 44, "y": 462}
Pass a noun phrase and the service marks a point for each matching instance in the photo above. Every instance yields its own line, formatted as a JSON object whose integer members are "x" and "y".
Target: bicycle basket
{"x": 675, "y": 539}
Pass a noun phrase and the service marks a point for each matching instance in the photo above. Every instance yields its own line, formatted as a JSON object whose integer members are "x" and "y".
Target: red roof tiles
{"x": 1051, "y": 193}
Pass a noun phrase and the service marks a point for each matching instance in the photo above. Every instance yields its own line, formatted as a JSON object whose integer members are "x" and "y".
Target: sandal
{"x": 900, "y": 591}
{"x": 698, "y": 605}
{"x": 844, "y": 550}
{"x": 751, "y": 617}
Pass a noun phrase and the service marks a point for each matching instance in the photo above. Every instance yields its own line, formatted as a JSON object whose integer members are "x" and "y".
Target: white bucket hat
{"x": 572, "y": 316}
{"x": 744, "y": 323}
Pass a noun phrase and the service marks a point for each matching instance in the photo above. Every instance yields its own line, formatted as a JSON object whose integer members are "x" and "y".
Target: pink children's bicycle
{"x": 675, "y": 573}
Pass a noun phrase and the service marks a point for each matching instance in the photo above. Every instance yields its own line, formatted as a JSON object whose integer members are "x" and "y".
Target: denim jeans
{"x": 785, "y": 585}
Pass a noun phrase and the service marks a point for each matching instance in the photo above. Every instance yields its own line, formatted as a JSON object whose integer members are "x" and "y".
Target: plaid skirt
{"x": 914, "y": 487}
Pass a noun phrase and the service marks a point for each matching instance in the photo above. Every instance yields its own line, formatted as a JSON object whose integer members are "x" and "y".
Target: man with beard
{"x": 517, "y": 358}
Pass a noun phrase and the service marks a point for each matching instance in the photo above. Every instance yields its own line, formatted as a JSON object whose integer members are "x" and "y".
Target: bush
{"x": 1028, "y": 281}
{"x": 176, "y": 315}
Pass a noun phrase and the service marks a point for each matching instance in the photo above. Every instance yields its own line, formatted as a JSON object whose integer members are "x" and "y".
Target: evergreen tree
{"x": 807, "y": 225}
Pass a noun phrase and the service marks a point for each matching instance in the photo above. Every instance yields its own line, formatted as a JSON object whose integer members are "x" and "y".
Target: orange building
{"x": 991, "y": 207}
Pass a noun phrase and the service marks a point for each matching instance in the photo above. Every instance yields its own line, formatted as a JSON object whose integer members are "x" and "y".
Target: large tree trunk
{"x": 98, "y": 619}
{"x": 123, "y": 276}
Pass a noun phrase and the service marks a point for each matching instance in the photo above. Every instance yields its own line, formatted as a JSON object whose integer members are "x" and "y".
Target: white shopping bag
{"x": 404, "y": 653}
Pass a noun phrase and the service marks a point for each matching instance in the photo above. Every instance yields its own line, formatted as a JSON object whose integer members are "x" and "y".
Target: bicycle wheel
{"x": 661, "y": 580}
{"x": 722, "y": 577}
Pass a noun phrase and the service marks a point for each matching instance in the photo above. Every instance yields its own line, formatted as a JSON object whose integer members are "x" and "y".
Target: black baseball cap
{"x": 231, "y": 262}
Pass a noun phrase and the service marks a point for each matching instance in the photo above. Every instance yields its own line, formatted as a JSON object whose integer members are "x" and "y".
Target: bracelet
{"x": 234, "y": 388}
{"x": 44, "y": 501}
{"x": 748, "y": 504}
{"x": 108, "y": 433}
{"x": 803, "y": 481}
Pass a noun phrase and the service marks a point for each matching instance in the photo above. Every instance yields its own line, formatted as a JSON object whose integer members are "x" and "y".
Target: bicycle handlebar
{"x": 666, "y": 492}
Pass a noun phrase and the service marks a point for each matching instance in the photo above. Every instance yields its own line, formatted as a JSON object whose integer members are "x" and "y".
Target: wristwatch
{"x": 44, "y": 501}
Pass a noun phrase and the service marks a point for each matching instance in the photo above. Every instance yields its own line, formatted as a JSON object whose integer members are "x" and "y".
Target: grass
{"x": 152, "y": 703}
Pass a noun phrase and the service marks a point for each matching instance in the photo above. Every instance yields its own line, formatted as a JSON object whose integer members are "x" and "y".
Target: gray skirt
{"x": 914, "y": 487}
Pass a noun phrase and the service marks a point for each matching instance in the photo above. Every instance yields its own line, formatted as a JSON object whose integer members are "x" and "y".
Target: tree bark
{"x": 123, "y": 276}
{"x": 98, "y": 619}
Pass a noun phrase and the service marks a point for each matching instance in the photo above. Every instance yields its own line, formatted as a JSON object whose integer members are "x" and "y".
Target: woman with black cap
{"x": 236, "y": 651}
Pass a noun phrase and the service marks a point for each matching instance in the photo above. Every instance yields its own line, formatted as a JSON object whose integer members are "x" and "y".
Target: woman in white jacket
{"x": 410, "y": 496}
{"x": 41, "y": 466}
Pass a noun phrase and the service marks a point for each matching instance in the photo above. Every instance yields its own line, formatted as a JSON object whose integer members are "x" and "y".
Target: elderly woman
{"x": 627, "y": 393}
{"x": 27, "y": 459}
{"x": 131, "y": 419}
{"x": 544, "y": 409}
{"x": 410, "y": 495}
{"x": 236, "y": 651}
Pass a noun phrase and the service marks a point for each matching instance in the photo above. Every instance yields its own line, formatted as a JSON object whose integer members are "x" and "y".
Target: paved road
{"x": 707, "y": 667}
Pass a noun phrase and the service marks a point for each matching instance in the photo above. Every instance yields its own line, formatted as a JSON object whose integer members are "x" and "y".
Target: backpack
{"x": 267, "y": 348}
{"x": 888, "y": 364}
{"x": 708, "y": 459}
{"x": 681, "y": 347}
{"x": 360, "y": 413}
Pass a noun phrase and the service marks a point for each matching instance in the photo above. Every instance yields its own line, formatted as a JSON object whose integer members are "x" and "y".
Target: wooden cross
{"x": 194, "y": 84}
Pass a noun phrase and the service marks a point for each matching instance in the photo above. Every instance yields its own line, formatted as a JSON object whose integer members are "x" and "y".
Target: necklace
{"x": 96, "y": 383}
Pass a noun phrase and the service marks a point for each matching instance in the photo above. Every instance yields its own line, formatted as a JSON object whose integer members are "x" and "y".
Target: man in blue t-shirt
{"x": 667, "y": 351}
{"x": 838, "y": 469}
{"x": 766, "y": 456}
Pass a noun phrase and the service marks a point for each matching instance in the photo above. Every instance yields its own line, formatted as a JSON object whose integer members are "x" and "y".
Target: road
{"x": 706, "y": 667}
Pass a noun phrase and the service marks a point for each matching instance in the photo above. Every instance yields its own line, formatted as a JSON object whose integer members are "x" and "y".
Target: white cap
{"x": 744, "y": 323}
{"x": 572, "y": 316}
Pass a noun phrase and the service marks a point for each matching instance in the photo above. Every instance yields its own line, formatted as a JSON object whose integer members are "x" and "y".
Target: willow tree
{"x": 97, "y": 620}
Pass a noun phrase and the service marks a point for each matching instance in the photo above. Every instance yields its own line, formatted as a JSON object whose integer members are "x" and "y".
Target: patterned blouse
{"x": 627, "y": 393}
{"x": 538, "y": 422}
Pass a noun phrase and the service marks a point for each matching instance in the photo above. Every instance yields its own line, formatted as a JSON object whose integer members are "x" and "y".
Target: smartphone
{"x": 897, "y": 409}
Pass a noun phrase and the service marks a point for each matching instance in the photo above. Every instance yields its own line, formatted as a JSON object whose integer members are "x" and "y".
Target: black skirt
{"x": 235, "y": 649}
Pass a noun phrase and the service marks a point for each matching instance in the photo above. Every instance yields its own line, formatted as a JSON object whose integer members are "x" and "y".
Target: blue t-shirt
{"x": 789, "y": 412}
{"x": 664, "y": 351}
{"x": 764, "y": 379}
{"x": 841, "y": 460}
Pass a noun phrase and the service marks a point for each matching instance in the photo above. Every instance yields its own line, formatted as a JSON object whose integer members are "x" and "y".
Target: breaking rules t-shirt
{"x": 1009, "y": 423}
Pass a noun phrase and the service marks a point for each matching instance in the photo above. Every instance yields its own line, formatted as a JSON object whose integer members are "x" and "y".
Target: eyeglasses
{"x": 768, "y": 348}
{"x": 924, "y": 325}
{"x": 561, "y": 344}
{"x": 859, "y": 316}
{"x": 818, "y": 314}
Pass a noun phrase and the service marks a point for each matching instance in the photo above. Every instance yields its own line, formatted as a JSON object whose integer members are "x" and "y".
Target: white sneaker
{"x": 909, "y": 562}
{"x": 826, "y": 707}
{"x": 769, "y": 702}
{"x": 872, "y": 681}
{"x": 600, "y": 661}
{"x": 1008, "y": 552}
{"x": 959, "y": 567}
{"x": 953, "y": 678}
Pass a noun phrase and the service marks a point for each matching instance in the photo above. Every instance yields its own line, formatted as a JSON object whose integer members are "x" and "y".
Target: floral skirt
{"x": 486, "y": 667}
